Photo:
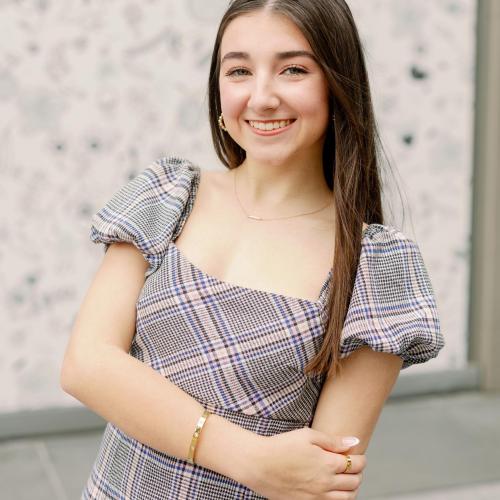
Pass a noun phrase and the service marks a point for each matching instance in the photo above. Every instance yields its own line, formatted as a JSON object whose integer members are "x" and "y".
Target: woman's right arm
{"x": 99, "y": 371}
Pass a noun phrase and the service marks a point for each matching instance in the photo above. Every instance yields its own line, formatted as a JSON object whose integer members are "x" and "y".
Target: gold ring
{"x": 348, "y": 464}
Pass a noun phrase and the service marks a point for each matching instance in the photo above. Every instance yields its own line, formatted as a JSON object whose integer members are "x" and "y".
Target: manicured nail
{"x": 350, "y": 441}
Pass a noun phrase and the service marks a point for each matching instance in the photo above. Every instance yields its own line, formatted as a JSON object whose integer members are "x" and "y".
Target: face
{"x": 259, "y": 88}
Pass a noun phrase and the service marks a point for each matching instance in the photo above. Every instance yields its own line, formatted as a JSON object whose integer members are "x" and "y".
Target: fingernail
{"x": 350, "y": 441}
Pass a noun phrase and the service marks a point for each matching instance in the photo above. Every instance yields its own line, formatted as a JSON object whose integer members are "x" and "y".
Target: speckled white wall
{"x": 91, "y": 92}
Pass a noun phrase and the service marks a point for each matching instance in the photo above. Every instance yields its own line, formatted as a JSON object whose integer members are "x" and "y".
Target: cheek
{"x": 232, "y": 100}
{"x": 312, "y": 101}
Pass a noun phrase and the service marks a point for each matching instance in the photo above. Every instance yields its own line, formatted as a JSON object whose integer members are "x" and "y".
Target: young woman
{"x": 244, "y": 322}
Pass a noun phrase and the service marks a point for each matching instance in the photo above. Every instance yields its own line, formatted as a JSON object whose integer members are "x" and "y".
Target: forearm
{"x": 151, "y": 409}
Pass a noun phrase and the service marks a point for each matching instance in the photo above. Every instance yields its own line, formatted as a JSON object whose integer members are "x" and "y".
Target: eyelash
{"x": 233, "y": 71}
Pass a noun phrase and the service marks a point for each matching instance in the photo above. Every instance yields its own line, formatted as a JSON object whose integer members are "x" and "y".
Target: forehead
{"x": 262, "y": 32}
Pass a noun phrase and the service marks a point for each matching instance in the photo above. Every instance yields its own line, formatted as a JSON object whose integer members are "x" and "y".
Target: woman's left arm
{"x": 351, "y": 403}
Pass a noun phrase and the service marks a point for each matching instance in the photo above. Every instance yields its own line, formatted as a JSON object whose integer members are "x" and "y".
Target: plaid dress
{"x": 241, "y": 352}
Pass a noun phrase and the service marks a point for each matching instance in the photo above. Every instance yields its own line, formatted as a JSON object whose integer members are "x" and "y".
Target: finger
{"x": 337, "y": 444}
{"x": 346, "y": 482}
{"x": 341, "y": 495}
{"x": 358, "y": 463}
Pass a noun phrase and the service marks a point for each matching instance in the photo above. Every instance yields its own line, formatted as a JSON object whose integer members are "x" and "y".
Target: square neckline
{"x": 209, "y": 277}
{"x": 318, "y": 302}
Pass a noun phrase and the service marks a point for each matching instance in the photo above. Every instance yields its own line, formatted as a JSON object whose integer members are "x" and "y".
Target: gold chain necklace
{"x": 255, "y": 217}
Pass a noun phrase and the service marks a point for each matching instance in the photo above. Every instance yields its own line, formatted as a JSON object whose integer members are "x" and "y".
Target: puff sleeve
{"x": 392, "y": 308}
{"x": 149, "y": 210}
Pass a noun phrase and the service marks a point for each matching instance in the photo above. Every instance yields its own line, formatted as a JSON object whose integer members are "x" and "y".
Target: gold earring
{"x": 221, "y": 123}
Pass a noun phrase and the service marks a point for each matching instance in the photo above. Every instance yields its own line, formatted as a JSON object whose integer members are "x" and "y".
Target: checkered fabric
{"x": 240, "y": 352}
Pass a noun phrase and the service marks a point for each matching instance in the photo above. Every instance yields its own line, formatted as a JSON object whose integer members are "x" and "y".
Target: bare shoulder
{"x": 216, "y": 178}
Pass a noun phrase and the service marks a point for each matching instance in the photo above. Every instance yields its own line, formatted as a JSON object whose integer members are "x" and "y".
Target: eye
{"x": 233, "y": 72}
{"x": 300, "y": 71}
{"x": 295, "y": 71}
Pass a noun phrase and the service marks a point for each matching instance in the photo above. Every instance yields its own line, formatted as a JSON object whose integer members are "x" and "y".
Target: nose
{"x": 263, "y": 95}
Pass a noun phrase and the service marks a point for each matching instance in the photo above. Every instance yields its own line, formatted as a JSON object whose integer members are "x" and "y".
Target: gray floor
{"x": 436, "y": 448}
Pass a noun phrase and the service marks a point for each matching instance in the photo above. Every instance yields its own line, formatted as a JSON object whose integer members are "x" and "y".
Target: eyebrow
{"x": 279, "y": 55}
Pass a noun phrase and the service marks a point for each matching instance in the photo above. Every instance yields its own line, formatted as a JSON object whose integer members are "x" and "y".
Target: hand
{"x": 305, "y": 464}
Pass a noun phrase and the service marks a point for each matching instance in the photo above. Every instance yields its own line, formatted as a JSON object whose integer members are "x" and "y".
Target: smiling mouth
{"x": 269, "y": 125}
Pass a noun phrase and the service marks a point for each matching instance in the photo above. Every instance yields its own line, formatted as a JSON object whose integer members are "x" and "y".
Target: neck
{"x": 297, "y": 184}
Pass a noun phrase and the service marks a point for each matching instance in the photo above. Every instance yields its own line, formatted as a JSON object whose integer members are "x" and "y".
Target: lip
{"x": 269, "y": 132}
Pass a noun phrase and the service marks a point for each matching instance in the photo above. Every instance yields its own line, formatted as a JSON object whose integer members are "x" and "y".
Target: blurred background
{"x": 92, "y": 92}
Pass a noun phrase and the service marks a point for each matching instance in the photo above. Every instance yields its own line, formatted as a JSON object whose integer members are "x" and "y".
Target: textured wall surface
{"x": 92, "y": 92}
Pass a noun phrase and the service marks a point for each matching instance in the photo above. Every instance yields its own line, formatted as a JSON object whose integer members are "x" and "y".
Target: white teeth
{"x": 270, "y": 125}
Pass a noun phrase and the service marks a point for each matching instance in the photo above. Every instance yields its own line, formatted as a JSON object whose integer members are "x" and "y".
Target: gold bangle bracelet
{"x": 196, "y": 434}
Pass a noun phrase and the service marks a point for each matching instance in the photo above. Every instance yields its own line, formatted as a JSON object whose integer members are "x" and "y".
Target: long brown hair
{"x": 350, "y": 163}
